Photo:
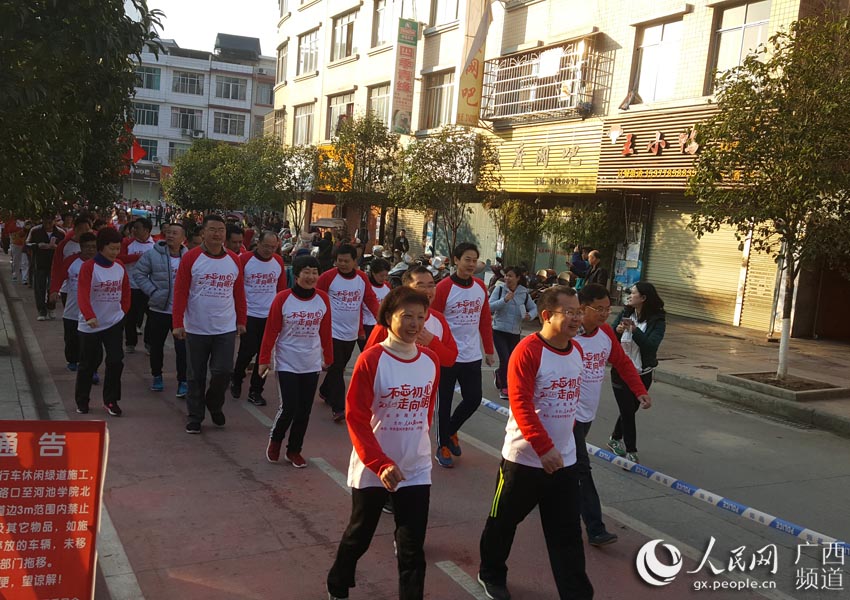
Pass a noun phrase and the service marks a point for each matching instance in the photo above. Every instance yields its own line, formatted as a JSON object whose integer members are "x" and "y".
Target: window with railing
{"x": 188, "y": 83}
{"x": 146, "y": 114}
{"x": 186, "y": 118}
{"x": 552, "y": 82}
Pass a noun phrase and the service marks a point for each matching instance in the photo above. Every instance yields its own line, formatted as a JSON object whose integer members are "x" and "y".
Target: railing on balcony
{"x": 544, "y": 83}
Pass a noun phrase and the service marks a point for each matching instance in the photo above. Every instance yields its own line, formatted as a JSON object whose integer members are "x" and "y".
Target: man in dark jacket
{"x": 401, "y": 243}
{"x": 596, "y": 274}
{"x": 42, "y": 241}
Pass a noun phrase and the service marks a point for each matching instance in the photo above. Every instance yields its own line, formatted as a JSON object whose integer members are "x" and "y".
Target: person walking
{"x": 103, "y": 296}
{"x": 42, "y": 242}
{"x": 209, "y": 311}
{"x": 132, "y": 248}
{"x": 265, "y": 276}
{"x": 390, "y": 409}
{"x": 155, "y": 274}
{"x": 67, "y": 277}
{"x": 511, "y": 305}
{"x": 349, "y": 290}
{"x": 601, "y": 347}
{"x": 595, "y": 272}
{"x": 17, "y": 242}
{"x": 298, "y": 332}
{"x": 640, "y": 329}
{"x": 539, "y": 457}
{"x": 378, "y": 271}
{"x": 68, "y": 247}
{"x": 463, "y": 301}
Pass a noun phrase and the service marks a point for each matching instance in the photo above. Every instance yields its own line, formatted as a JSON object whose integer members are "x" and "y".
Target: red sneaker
{"x": 296, "y": 460}
{"x": 273, "y": 451}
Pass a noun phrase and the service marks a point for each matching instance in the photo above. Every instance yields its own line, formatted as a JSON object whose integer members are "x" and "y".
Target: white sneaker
{"x": 41, "y": 318}
{"x": 51, "y": 315}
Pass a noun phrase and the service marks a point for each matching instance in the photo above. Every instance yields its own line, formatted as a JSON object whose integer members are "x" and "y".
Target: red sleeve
{"x": 281, "y": 282}
{"x": 84, "y": 290}
{"x": 445, "y": 348}
{"x": 379, "y": 334}
{"x": 624, "y": 365}
{"x": 358, "y": 414}
{"x": 522, "y": 372}
{"x": 435, "y": 389}
{"x": 485, "y": 324}
{"x": 58, "y": 259}
{"x": 58, "y": 277}
{"x": 274, "y": 325}
{"x": 244, "y": 258}
{"x": 369, "y": 297}
{"x": 239, "y": 292}
{"x": 182, "y": 282}
{"x": 441, "y": 295}
{"x": 123, "y": 256}
{"x": 325, "y": 331}
{"x": 126, "y": 296}
{"x": 325, "y": 280}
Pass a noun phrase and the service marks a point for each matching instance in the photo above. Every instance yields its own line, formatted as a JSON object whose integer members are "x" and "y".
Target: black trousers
{"x": 249, "y": 347}
{"x": 92, "y": 347}
{"x": 505, "y": 343}
{"x": 133, "y": 318}
{"x": 518, "y": 490}
{"x": 410, "y": 510}
{"x": 367, "y": 332}
{"x": 72, "y": 340}
{"x": 626, "y": 428}
{"x": 158, "y": 328}
{"x": 202, "y": 352}
{"x": 468, "y": 375}
{"x": 591, "y": 508}
{"x": 296, "y": 401}
{"x": 333, "y": 387}
{"x": 40, "y": 284}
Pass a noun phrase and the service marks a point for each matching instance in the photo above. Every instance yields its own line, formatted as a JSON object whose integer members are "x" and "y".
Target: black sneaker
{"x": 494, "y": 591}
{"x": 388, "y": 506}
{"x": 235, "y": 388}
{"x": 193, "y": 427}
{"x": 83, "y": 410}
{"x": 113, "y": 409}
{"x": 256, "y": 398}
{"x": 218, "y": 418}
{"x": 602, "y": 539}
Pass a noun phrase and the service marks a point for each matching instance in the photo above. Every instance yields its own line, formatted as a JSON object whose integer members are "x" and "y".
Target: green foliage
{"x": 205, "y": 177}
{"x": 596, "y": 223}
{"x": 66, "y": 86}
{"x": 298, "y": 178}
{"x": 520, "y": 225}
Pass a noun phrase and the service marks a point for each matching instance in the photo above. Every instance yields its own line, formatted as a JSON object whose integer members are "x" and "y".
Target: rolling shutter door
{"x": 758, "y": 293}
{"x": 696, "y": 278}
{"x": 413, "y": 223}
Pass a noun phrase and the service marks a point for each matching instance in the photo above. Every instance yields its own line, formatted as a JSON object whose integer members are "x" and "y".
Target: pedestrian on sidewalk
{"x": 154, "y": 275}
{"x": 511, "y": 305}
{"x": 462, "y": 299}
{"x": 132, "y": 248}
{"x": 17, "y": 242}
{"x": 298, "y": 330}
{"x": 68, "y": 247}
{"x": 265, "y": 276}
{"x": 349, "y": 290}
{"x": 640, "y": 329}
{"x": 103, "y": 295}
{"x": 600, "y": 346}
{"x": 378, "y": 271}
{"x": 67, "y": 277}
{"x": 390, "y": 409}
{"x": 539, "y": 456}
{"x": 209, "y": 311}
{"x": 42, "y": 242}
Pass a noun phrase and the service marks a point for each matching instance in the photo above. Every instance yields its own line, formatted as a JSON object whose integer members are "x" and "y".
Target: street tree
{"x": 66, "y": 87}
{"x": 446, "y": 173}
{"x": 253, "y": 174}
{"x": 208, "y": 176}
{"x": 595, "y": 223}
{"x": 296, "y": 180}
{"x": 773, "y": 162}
{"x": 519, "y": 223}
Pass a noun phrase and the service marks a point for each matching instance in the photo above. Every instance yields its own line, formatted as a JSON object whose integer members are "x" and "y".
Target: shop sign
{"x": 405, "y": 67}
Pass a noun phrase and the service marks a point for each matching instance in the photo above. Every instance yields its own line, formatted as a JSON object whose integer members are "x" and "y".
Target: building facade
{"x": 184, "y": 95}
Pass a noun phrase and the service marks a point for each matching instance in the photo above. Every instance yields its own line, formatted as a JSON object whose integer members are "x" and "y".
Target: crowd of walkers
{"x": 223, "y": 293}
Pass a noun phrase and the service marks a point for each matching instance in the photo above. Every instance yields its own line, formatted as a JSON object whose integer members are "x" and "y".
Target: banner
{"x": 403, "y": 76}
{"x": 478, "y": 19}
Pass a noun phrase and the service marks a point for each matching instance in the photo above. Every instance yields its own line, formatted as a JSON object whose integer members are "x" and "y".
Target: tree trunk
{"x": 787, "y": 307}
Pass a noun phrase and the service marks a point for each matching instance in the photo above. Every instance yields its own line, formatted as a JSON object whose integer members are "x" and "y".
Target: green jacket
{"x": 648, "y": 341}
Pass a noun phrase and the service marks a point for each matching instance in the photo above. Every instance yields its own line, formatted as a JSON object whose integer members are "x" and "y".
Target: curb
{"x": 757, "y": 401}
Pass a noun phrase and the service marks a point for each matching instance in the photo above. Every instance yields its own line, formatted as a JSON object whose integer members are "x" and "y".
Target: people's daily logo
{"x": 652, "y": 570}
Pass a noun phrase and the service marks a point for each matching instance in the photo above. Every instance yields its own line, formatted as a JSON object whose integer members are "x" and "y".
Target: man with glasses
{"x": 600, "y": 346}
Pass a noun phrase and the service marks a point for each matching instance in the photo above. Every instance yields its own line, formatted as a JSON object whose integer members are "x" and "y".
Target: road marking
{"x": 462, "y": 578}
{"x": 333, "y": 473}
{"x": 258, "y": 414}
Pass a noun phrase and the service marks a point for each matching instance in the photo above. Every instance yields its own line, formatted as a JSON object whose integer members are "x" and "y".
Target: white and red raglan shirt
{"x": 298, "y": 330}
{"x": 103, "y": 292}
{"x": 443, "y": 344}
{"x": 381, "y": 292}
{"x": 542, "y": 414}
{"x": 600, "y": 348}
{"x": 67, "y": 279}
{"x": 389, "y": 408}
{"x": 131, "y": 251}
{"x": 209, "y": 296}
{"x": 467, "y": 311}
{"x": 66, "y": 248}
{"x": 264, "y": 278}
{"x": 348, "y": 295}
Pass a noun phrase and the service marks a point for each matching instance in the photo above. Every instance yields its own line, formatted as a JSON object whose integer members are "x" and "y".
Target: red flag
{"x": 133, "y": 155}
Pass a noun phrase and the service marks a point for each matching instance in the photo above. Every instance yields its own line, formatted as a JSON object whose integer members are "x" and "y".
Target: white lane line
{"x": 258, "y": 414}
{"x": 333, "y": 473}
{"x": 460, "y": 577}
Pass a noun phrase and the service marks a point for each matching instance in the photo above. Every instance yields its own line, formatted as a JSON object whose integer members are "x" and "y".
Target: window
{"x": 232, "y": 88}
{"x": 308, "y": 52}
{"x": 284, "y": 7}
{"x": 229, "y": 123}
{"x": 257, "y": 127}
{"x": 176, "y": 150}
{"x": 657, "y": 57}
{"x": 265, "y": 95}
{"x": 186, "y": 118}
{"x": 437, "y": 100}
{"x": 382, "y": 23}
{"x": 742, "y": 28}
{"x": 342, "y": 44}
{"x": 279, "y": 131}
{"x": 188, "y": 83}
{"x": 148, "y": 77}
{"x": 443, "y": 11}
{"x": 146, "y": 114}
{"x": 378, "y": 102}
{"x": 339, "y": 108}
{"x": 282, "y": 56}
{"x": 150, "y": 147}
{"x": 303, "y": 130}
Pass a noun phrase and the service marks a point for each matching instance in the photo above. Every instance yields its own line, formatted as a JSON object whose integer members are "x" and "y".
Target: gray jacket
{"x": 507, "y": 316}
{"x": 152, "y": 275}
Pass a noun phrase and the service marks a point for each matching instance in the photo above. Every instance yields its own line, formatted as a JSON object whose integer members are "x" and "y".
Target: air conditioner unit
{"x": 263, "y": 72}
{"x": 186, "y": 132}
{"x": 156, "y": 160}
{"x": 198, "y": 134}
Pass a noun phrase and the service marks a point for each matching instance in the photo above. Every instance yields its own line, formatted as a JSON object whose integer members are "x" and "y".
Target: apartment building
{"x": 183, "y": 95}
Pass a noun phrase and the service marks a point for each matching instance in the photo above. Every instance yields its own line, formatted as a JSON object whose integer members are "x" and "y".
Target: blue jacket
{"x": 507, "y": 316}
{"x": 152, "y": 275}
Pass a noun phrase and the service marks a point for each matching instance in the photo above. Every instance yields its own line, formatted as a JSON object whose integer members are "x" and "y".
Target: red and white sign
{"x": 405, "y": 71}
{"x": 51, "y": 485}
